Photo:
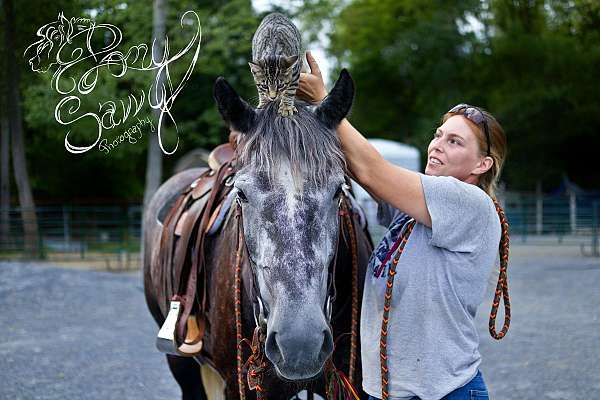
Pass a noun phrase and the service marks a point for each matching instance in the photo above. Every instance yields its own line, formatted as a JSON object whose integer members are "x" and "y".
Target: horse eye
{"x": 242, "y": 196}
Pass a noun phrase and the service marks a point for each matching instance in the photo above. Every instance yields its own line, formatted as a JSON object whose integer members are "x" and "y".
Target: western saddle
{"x": 198, "y": 212}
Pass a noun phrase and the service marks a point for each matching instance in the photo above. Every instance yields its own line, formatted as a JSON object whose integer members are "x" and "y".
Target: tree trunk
{"x": 154, "y": 159}
{"x": 4, "y": 182}
{"x": 13, "y": 103}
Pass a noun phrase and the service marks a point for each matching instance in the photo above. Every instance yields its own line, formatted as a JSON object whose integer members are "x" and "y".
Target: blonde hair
{"x": 488, "y": 181}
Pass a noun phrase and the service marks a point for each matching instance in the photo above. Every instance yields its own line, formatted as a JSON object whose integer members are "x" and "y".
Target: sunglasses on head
{"x": 474, "y": 115}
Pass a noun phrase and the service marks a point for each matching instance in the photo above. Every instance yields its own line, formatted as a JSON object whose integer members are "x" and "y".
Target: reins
{"x": 501, "y": 291}
{"x": 338, "y": 386}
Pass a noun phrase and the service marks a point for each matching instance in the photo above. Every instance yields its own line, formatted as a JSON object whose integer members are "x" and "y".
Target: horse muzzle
{"x": 299, "y": 351}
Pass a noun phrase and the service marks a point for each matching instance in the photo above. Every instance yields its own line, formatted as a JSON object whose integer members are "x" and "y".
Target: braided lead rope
{"x": 354, "y": 312}
{"x": 386, "y": 311}
{"x": 238, "y": 306}
{"x": 255, "y": 364}
{"x": 502, "y": 286}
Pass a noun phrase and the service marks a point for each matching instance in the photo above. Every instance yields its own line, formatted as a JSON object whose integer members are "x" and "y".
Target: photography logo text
{"x": 65, "y": 45}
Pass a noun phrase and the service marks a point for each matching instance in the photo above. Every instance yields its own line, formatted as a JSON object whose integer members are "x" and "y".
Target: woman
{"x": 427, "y": 346}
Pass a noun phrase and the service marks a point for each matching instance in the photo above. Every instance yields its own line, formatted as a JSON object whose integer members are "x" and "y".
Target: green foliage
{"x": 533, "y": 64}
{"x": 59, "y": 176}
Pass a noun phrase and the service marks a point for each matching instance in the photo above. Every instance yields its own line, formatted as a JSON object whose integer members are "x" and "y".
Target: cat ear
{"x": 290, "y": 61}
{"x": 235, "y": 111}
{"x": 337, "y": 104}
{"x": 255, "y": 68}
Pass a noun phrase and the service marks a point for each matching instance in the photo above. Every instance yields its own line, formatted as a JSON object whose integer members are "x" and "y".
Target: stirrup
{"x": 192, "y": 345}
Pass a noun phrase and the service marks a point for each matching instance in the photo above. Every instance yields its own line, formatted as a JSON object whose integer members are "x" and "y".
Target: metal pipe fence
{"x": 552, "y": 220}
{"x": 110, "y": 235}
{"x": 565, "y": 219}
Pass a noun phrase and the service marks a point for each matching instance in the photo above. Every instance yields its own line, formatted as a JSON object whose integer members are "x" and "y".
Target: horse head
{"x": 289, "y": 182}
{"x": 43, "y": 53}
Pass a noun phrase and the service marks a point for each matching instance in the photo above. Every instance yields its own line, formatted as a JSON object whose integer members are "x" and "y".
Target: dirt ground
{"x": 73, "y": 333}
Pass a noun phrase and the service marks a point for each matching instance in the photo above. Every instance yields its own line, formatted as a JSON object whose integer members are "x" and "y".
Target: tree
{"x": 227, "y": 29}
{"x": 13, "y": 102}
{"x": 154, "y": 158}
{"x": 533, "y": 64}
{"x": 409, "y": 60}
{"x": 4, "y": 180}
{"x": 538, "y": 77}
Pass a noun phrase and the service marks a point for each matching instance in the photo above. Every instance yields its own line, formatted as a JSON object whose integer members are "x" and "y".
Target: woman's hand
{"x": 311, "y": 87}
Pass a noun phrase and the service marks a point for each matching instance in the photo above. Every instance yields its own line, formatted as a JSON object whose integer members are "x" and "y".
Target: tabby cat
{"x": 276, "y": 62}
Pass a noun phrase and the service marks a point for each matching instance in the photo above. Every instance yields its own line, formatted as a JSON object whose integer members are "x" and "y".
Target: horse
{"x": 290, "y": 191}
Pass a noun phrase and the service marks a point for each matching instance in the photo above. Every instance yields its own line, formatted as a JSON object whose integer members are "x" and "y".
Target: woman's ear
{"x": 483, "y": 166}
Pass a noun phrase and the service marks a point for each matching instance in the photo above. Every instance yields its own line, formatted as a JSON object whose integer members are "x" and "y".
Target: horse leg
{"x": 187, "y": 374}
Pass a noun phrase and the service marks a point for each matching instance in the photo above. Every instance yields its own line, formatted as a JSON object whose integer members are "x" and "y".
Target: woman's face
{"x": 454, "y": 151}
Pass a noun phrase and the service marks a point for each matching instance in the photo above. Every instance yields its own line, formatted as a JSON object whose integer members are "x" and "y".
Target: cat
{"x": 276, "y": 62}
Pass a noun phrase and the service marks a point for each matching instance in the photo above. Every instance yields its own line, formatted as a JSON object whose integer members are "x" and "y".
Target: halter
{"x": 256, "y": 364}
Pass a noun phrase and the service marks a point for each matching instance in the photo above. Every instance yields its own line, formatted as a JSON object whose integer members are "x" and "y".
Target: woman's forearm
{"x": 361, "y": 156}
{"x": 381, "y": 178}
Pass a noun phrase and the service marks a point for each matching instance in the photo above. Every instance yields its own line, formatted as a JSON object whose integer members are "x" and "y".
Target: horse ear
{"x": 235, "y": 111}
{"x": 337, "y": 104}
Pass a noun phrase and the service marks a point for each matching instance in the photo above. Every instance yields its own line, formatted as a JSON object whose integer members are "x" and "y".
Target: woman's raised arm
{"x": 395, "y": 185}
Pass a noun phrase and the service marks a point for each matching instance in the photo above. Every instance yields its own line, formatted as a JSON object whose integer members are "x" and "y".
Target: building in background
{"x": 397, "y": 153}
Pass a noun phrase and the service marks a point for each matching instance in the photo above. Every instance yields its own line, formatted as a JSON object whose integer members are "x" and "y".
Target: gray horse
{"x": 290, "y": 177}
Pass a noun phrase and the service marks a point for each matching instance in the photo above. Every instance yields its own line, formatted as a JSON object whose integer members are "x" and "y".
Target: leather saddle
{"x": 190, "y": 219}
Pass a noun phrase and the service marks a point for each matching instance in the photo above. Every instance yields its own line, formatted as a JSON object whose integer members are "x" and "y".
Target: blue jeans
{"x": 474, "y": 390}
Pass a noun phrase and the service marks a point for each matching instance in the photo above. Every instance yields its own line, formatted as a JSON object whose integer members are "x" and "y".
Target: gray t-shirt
{"x": 432, "y": 343}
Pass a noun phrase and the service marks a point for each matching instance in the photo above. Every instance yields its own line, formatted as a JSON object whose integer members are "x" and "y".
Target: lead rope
{"x": 337, "y": 385}
{"x": 501, "y": 291}
{"x": 354, "y": 312}
{"x": 238, "y": 307}
{"x": 256, "y": 363}
{"x": 386, "y": 312}
{"x": 502, "y": 286}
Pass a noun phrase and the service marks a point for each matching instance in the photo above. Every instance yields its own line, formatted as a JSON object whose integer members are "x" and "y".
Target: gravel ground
{"x": 552, "y": 350}
{"x": 74, "y": 334}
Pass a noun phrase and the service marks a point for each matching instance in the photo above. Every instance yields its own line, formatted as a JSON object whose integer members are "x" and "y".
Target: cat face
{"x": 273, "y": 75}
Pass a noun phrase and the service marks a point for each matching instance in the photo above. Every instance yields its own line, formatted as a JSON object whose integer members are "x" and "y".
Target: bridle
{"x": 260, "y": 316}
{"x": 256, "y": 364}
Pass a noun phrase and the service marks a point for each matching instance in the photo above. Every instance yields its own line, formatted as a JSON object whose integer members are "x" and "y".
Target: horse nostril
{"x": 272, "y": 349}
{"x": 327, "y": 347}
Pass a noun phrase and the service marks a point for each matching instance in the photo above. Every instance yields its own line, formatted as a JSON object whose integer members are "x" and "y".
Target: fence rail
{"x": 111, "y": 234}
{"x": 566, "y": 219}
